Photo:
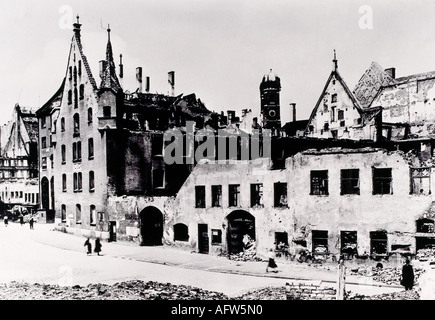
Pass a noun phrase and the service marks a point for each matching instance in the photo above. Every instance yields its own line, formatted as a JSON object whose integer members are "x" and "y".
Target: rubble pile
{"x": 388, "y": 275}
{"x": 130, "y": 290}
{"x": 401, "y": 295}
{"x": 425, "y": 254}
{"x": 245, "y": 256}
{"x": 269, "y": 293}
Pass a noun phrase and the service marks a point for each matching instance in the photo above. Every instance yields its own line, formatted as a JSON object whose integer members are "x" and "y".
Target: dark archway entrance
{"x": 151, "y": 226}
{"x": 240, "y": 223}
{"x": 45, "y": 196}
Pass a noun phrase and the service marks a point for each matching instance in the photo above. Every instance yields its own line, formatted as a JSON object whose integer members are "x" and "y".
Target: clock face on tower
{"x": 272, "y": 114}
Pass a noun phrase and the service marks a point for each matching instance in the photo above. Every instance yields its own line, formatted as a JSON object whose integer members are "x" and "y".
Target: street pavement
{"x": 46, "y": 256}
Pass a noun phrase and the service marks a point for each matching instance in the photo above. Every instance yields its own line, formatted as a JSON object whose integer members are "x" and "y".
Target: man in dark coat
{"x": 98, "y": 246}
{"x": 407, "y": 276}
{"x": 88, "y": 244}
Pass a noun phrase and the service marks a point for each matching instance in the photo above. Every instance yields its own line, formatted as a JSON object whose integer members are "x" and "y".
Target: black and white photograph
{"x": 231, "y": 151}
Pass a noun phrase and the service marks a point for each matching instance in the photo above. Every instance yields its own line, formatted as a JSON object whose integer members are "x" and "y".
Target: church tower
{"x": 270, "y": 88}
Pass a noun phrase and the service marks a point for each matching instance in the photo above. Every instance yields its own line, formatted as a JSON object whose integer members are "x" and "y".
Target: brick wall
{"x": 303, "y": 291}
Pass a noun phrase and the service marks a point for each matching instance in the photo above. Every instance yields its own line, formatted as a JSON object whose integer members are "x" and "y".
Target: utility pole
{"x": 341, "y": 281}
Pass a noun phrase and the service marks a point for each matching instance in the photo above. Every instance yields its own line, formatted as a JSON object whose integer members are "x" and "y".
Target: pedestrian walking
{"x": 21, "y": 220}
{"x": 271, "y": 263}
{"x": 5, "y": 219}
{"x": 31, "y": 221}
{"x": 89, "y": 245}
{"x": 407, "y": 276}
{"x": 98, "y": 246}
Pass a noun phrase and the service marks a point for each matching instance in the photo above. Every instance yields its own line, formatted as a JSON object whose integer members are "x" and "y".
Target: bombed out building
{"x": 357, "y": 174}
{"x": 19, "y": 162}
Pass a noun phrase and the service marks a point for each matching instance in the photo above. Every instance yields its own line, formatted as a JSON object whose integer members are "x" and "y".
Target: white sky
{"x": 219, "y": 49}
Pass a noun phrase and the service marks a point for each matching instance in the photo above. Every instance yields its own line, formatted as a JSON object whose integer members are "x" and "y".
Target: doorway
{"x": 203, "y": 238}
{"x": 240, "y": 223}
{"x": 151, "y": 227}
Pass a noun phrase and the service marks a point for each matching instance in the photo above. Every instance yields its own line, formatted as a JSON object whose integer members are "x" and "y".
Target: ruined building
{"x": 19, "y": 162}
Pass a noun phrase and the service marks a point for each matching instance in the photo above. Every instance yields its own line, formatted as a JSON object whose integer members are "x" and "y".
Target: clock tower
{"x": 270, "y": 88}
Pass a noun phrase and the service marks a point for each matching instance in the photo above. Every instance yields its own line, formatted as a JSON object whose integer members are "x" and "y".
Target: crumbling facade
{"x": 19, "y": 162}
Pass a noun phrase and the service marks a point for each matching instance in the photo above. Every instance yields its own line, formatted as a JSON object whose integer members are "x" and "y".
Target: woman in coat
{"x": 98, "y": 246}
{"x": 89, "y": 246}
{"x": 271, "y": 263}
{"x": 407, "y": 276}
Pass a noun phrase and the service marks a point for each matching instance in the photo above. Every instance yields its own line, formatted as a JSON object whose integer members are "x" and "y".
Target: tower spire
{"x": 109, "y": 78}
{"x": 77, "y": 28}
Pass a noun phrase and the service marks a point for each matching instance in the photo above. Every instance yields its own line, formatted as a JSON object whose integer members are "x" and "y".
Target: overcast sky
{"x": 219, "y": 50}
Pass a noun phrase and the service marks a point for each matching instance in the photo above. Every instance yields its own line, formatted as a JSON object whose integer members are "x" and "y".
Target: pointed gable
{"x": 109, "y": 79}
{"x": 370, "y": 84}
{"x": 336, "y": 110}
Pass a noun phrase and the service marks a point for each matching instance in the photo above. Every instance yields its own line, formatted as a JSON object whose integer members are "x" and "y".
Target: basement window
{"x": 350, "y": 181}
{"x": 216, "y": 195}
{"x": 420, "y": 181}
{"x": 425, "y": 226}
{"x": 320, "y": 241}
{"x": 382, "y": 181}
{"x": 181, "y": 232}
{"x": 378, "y": 242}
{"x": 319, "y": 183}
{"x": 216, "y": 236}
{"x": 281, "y": 239}
{"x": 348, "y": 243}
{"x": 280, "y": 195}
{"x": 256, "y": 194}
{"x": 200, "y": 196}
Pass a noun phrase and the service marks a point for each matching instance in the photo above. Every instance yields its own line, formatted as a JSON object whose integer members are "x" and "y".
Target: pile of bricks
{"x": 300, "y": 291}
{"x": 425, "y": 254}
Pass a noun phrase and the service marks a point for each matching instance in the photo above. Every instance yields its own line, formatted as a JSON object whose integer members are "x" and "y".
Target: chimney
{"x": 293, "y": 105}
{"x": 147, "y": 85}
{"x": 391, "y": 72}
{"x": 121, "y": 67}
{"x": 171, "y": 80}
{"x": 103, "y": 65}
{"x": 139, "y": 78}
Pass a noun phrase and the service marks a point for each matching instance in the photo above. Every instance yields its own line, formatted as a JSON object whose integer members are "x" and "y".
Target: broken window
{"x": 340, "y": 115}
{"x": 334, "y": 98}
{"x": 216, "y": 195}
{"x": 158, "y": 178}
{"x": 92, "y": 215}
{"x": 157, "y": 145}
{"x": 200, "y": 196}
{"x": 234, "y": 194}
{"x": 280, "y": 194}
{"x": 326, "y": 126}
{"x": 420, "y": 181}
{"x": 181, "y": 232}
{"x": 425, "y": 226}
{"x": 281, "y": 240}
{"x": 349, "y": 243}
{"x": 319, "y": 183}
{"x": 382, "y": 181}
{"x": 256, "y": 194}
{"x": 350, "y": 181}
{"x": 216, "y": 236}
{"x": 320, "y": 241}
{"x": 378, "y": 242}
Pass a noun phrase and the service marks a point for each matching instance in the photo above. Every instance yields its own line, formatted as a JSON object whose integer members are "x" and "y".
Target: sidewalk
{"x": 288, "y": 271}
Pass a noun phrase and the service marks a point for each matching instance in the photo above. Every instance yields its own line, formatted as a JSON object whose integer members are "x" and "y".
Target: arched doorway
{"x": 151, "y": 226}
{"x": 45, "y": 196}
{"x": 240, "y": 223}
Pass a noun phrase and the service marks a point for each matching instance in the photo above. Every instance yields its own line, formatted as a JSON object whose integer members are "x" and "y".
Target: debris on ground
{"x": 388, "y": 275}
{"x": 400, "y": 295}
{"x": 425, "y": 254}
